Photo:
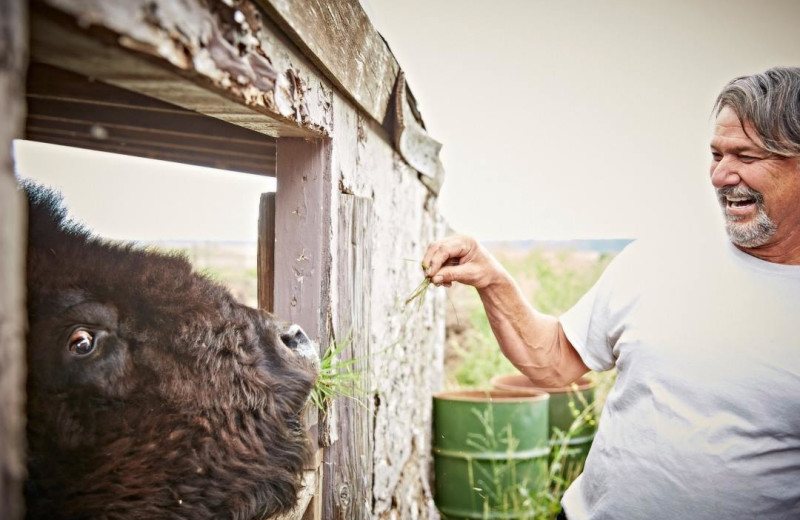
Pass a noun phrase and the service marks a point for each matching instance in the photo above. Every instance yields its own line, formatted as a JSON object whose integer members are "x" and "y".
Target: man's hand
{"x": 462, "y": 259}
{"x": 534, "y": 342}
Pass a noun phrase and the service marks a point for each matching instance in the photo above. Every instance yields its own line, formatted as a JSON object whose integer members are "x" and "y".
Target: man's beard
{"x": 753, "y": 233}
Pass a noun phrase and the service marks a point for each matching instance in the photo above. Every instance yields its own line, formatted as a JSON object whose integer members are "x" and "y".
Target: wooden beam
{"x": 302, "y": 224}
{"x": 180, "y": 56}
{"x": 266, "y": 252}
{"x": 227, "y": 60}
{"x": 70, "y": 109}
{"x": 13, "y": 61}
{"x": 348, "y": 460}
{"x": 302, "y": 246}
{"x": 339, "y": 38}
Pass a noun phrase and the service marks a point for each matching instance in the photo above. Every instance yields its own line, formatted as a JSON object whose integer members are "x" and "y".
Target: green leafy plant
{"x": 503, "y": 488}
{"x": 562, "y": 471}
{"x": 338, "y": 378}
{"x": 508, "y": 494}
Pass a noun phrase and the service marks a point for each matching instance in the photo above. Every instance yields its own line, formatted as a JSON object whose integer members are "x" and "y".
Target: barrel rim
{"x": 458, "y": 512}
{"x": 493, "y": 395}
{"x": 584, "y": 383}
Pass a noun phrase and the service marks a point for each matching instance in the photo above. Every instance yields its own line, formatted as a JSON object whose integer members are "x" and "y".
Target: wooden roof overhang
{"x": 266, "y": 66}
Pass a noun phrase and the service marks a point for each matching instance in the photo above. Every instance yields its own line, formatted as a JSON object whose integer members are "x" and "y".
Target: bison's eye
{"x": 81, "y": 343}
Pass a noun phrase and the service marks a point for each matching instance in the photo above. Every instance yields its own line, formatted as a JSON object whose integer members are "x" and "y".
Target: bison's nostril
{"x": 295, "y": 338}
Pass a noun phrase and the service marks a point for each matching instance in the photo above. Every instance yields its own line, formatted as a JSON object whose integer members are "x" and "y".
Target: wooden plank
{"x": 151, "y": 150}
{"x": 302, "y": 224}
{"x": 69, "y": 109}
{"x": 13, "y": 60}
{"x": 51, "y": 85}
{"x": 348, "y": 461}
{"x": 178, "y": 53}
{"x": 314, "y": 509}
{"x": 412, "y": 141}
{"x": 310, "y": 480}
{"x": 96, "y": 132}
{"x": 302, "y": 247}
{"x": 339, "y": 38}
{"x": 266, "y": 252}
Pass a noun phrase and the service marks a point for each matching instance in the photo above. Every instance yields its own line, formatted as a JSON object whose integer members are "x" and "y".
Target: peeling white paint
{"x": 407, "y": 344}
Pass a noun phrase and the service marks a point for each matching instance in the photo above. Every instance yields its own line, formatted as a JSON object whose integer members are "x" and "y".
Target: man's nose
{"x": 724, "y": 173}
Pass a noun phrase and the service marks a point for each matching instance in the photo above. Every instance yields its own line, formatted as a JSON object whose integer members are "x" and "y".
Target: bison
{"x": 152, "y": 393}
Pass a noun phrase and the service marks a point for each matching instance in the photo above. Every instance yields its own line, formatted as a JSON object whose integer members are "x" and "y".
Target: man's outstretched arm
{"x": 534, "y": 342}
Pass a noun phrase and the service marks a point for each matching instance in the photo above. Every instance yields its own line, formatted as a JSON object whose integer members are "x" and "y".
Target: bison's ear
{"x": 47, "y": 215}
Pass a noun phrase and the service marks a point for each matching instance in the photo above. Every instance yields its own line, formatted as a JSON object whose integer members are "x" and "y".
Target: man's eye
{"x": 747, "y": 158}
{"x": 716, "y": 156}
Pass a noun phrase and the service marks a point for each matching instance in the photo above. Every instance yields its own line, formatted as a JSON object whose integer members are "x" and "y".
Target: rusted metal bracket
{"x": 412, "y": 141}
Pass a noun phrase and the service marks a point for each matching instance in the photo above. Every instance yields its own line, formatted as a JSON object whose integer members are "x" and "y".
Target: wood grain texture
{"x": 310, "y": 479}
{"x": 348, "y": 461}
{"x": 200, "y": 57}
{"x": 13, "y": 53}
{"x": 302, "y": 248}
{"x": 339, "y": 38}
{"x": 412, "y": 141}
{"x": 266, "y": 252}
{"x": 302, "y": 223}
{"x": 69, "y": 109}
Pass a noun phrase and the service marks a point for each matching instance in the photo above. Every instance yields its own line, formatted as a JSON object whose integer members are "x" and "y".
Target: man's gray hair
{"x": 771, "y": 102}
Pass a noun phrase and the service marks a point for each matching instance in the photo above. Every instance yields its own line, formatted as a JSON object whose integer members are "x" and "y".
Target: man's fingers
{"x": 449, "y": 274}
{"x": 440, "y": 252}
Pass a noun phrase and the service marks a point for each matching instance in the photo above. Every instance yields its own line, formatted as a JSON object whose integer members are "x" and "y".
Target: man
{"x": 703, "y": 421}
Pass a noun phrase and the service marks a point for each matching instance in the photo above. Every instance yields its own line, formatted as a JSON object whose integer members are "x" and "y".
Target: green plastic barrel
{"x": 566, "y": 404}
{"x": 490, "y": 452}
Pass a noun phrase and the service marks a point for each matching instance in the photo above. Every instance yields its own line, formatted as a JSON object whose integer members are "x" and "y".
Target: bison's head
{"x": 152, "y": 393}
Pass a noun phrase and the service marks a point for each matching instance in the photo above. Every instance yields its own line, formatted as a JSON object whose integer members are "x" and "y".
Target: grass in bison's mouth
{"x": 338, "y": 378}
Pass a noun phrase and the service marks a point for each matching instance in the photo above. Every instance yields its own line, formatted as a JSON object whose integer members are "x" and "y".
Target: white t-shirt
{"x": 703, "y": 421}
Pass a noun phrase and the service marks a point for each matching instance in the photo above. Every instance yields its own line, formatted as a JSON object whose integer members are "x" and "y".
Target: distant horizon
{"x": 594, "y": 244}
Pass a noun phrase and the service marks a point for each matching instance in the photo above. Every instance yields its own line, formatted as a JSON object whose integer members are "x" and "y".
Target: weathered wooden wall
{"x": 13, "y": 60}
{"x": 341, "y": 179}
{"x": 406, "y": 344}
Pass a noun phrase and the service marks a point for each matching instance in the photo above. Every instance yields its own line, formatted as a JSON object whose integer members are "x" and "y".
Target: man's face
{"x": 759, "y": 192}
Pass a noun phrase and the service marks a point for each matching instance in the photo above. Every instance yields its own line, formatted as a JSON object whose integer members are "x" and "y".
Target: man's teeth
{"x": 737, "y": 203}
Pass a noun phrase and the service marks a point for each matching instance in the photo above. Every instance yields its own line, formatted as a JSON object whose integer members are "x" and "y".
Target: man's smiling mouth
{"x": 739, "y": 201}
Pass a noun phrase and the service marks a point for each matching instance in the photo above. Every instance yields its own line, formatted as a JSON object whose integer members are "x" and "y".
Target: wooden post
{"x": 266, "y": 252}
{"x": 302, "y": 224}
{"x": 348, "y": 461}
{"x": 303, "y": 255}
{"x": 13, "y": 60}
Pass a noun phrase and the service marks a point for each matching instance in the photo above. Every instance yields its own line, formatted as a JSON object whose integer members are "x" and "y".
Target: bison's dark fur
{"x": 187, "y": 406}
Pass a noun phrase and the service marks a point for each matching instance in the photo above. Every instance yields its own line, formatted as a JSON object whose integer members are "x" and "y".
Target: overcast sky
{"x": 131, "y": 198}
{"x": 578, "y": 118}
{"x": 560, "y": 119}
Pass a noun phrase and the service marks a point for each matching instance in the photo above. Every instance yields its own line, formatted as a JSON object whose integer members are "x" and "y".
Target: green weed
{"x": 338, "y": 378}
{"x": 554, "y": 281}
{"x": 507, "y": 492}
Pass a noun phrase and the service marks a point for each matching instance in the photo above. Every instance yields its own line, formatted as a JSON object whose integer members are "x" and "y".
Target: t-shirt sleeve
{"x": 594, "y": 324}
